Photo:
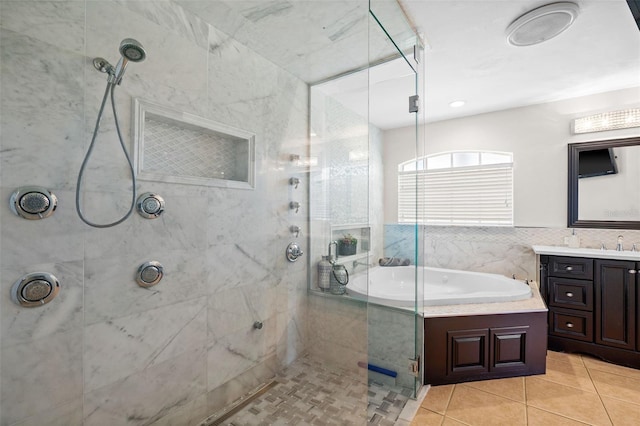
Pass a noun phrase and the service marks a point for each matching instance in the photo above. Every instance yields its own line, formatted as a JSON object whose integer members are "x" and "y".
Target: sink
{"x": 587, "y": 252}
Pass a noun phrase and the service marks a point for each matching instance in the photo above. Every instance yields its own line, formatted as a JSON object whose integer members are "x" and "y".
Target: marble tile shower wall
{"x": 106, "y": 351}
{"x": 504, "y": 251}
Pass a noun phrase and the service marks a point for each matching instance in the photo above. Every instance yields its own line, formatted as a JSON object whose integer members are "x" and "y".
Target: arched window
{"x": 457, "y": 188}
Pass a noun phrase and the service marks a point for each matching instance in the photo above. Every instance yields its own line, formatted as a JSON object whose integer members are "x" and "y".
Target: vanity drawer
{"x": 572, "y": 294}
{"x": 571, "y": 267}
{"x": 570, "y": 323}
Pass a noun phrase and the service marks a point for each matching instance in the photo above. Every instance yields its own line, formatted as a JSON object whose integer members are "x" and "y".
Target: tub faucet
{"x": 619, "y": 245}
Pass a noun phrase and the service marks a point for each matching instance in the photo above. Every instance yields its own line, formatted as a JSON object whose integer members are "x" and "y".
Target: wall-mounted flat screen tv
{"x": 597, "y": 162}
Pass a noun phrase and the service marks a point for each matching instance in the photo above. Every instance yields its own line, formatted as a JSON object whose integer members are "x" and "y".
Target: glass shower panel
{"x": 396, "y": 335}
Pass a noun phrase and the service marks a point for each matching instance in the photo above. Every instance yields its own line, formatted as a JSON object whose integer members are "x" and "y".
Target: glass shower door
{"x": 395, "y": 335}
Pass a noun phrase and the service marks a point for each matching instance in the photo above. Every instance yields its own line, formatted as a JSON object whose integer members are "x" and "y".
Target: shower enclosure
{"x": 227, "y": 85}
{"x": 348, "y": 120}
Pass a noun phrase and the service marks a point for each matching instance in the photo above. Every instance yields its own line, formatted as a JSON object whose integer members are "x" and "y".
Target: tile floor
{"x": 310, "y": 393}
{"x": 576, "y": 390}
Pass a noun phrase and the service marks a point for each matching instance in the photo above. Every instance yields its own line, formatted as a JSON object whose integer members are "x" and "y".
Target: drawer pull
{"x": 633, "y": 271}
{"x": 569, "y": 294}
{"x": 569, "y": 325}
{"x": 568, "y": 268}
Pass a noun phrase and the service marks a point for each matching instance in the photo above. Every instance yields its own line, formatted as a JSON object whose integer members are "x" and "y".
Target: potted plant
{"x": 347, "y": 245}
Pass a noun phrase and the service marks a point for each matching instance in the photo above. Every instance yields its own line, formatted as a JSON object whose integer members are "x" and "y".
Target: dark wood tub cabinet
{"x": 480, "y": 347}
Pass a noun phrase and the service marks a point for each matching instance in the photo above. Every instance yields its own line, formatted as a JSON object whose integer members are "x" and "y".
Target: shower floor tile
{"x": 310, "y": 393}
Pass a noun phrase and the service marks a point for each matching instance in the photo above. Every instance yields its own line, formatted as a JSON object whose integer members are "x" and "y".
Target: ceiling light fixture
{"x": 542, "y": 23}
{"x": 457, "y": 104}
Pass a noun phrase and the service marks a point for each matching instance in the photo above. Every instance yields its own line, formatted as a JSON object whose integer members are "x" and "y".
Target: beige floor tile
{"x": 568, "y": 373}
{"x": 438, "y": 398}
{"x": 478, "y": 408}
{"x": 512, "y": 388}
{"x": 622, "y": 413}
{"x": 616, "y": 386}
{"x": 448, "y": 421}
{"x": 537, "y": 417}
{"x": 427, "y": 418}
{"x": 565, "y": 401}
{"x": 598, "y": 364}
{"x": 575, "y": 359}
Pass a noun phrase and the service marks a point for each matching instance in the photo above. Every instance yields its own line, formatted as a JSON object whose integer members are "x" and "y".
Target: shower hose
{"x": 109, "y": 90}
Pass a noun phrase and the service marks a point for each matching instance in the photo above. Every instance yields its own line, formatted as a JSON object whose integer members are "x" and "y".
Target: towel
{"x": 394, "y": 261}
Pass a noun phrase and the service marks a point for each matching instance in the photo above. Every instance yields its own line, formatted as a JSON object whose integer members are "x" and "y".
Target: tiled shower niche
{"x": 176, "y": 147}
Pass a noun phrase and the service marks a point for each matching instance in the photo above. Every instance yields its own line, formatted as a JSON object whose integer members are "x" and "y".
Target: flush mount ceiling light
{"x": 542, "y": 23}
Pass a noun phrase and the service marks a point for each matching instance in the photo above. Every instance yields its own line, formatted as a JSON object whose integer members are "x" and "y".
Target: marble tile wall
{"x": 106, "y": 351}
{"x": 505, "y": 251}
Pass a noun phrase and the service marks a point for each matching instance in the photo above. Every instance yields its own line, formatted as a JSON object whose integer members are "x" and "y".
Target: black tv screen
{"x": 597, "y": 162}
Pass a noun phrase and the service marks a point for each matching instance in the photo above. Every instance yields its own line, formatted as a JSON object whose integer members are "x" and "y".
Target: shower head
{"x": 131, "y": 50}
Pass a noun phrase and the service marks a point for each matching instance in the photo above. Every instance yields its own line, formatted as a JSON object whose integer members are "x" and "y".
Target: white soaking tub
{"x": 395, "y": 286}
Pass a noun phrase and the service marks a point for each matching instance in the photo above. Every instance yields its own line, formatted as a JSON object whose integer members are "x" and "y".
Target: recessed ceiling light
{"x": 457, "y": 104}
{"x": 542, "y": 23}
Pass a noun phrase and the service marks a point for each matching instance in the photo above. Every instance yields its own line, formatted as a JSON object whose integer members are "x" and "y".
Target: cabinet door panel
{"x": 509, "y": 347}
{"x": 468, "y": 351}
{"x": 615, "y": 304}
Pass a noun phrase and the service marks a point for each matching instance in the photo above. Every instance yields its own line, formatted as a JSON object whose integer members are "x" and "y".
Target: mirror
{"x": 604, "y": 190}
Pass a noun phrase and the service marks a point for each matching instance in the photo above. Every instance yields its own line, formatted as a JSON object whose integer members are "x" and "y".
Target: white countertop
{"x": 587, "y": 252}
{"x": 533, "y": 304}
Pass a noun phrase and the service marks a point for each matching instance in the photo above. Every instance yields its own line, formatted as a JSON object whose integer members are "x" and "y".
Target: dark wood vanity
{"x": 594, "y": 306}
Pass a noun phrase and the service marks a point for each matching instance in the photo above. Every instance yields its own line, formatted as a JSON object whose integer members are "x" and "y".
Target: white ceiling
{"x": 467, "y": 56}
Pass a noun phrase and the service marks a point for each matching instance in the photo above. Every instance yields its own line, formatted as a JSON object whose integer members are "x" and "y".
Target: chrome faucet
{"x": 619, "y": 245}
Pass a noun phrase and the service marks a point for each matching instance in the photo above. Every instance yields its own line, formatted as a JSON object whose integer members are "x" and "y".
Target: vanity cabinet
{"x": 593, "y": 306}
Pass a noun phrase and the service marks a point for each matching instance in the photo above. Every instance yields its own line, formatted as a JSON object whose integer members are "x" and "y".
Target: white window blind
{"x": 480, "y": 194}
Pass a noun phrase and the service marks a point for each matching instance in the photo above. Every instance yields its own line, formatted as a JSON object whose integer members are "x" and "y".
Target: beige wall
{"x": 537, "y": 135}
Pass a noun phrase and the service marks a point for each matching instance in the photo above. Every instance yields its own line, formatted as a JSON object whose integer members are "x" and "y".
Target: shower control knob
{"x": 293, "y": 252}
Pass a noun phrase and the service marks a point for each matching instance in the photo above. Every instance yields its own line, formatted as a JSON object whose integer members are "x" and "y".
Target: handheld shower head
{"x": 131, "y": 50}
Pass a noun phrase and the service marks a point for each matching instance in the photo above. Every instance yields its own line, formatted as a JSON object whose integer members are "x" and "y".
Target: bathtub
{"x": 394, "y": 286}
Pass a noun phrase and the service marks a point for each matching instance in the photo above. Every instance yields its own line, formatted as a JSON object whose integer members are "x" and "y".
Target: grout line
{"x": 446, "y": 407}
{"x": 599, "y": 396}
{"x": 560, "y": 415}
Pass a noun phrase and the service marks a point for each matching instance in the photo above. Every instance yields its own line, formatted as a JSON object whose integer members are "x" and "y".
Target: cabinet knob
{"x": 633, "y": 271}
{"x": 569, "y": 325}
{"x": 568, "y": 268}
{"x": 569, "y": 294}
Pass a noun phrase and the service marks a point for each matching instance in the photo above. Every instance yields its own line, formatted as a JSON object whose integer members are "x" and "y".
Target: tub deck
{"x": 534, "y": 304}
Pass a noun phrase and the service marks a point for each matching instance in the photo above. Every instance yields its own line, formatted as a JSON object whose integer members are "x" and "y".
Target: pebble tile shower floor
{"x": 309, "y": 393}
